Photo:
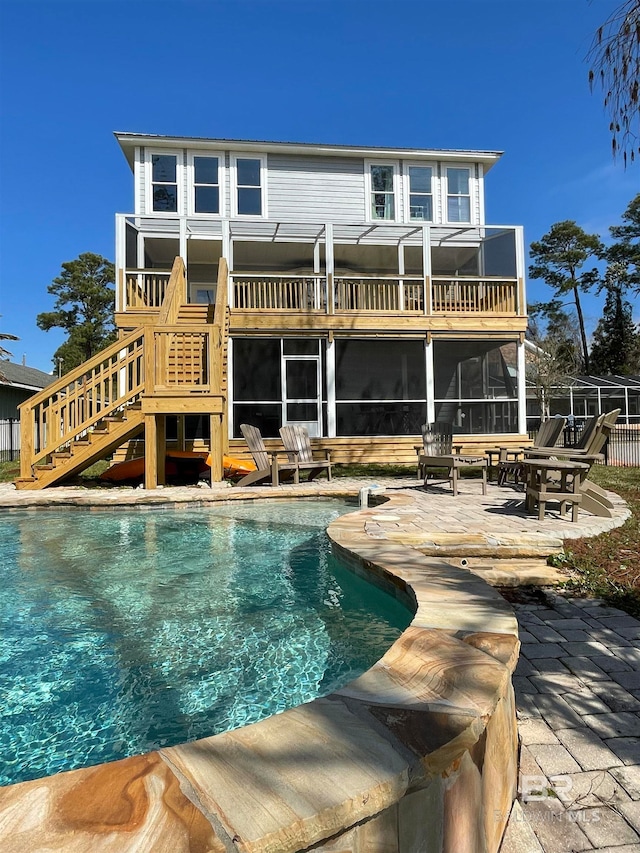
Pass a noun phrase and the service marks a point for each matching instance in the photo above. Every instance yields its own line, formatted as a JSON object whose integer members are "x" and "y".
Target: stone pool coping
{"x": 429, "y": 729}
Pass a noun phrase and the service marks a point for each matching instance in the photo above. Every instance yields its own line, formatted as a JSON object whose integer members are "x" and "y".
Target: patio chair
{"x": 268, "y": 467}
{"x": 297, "y": 445}
{"x": 594, "y": 437}
{"x": 438, "y": 453}
{"x": 549, "y": 432}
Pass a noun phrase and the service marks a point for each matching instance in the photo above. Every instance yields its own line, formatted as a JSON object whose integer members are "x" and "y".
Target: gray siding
{"x": 9, "y": 400}
{"x": 317, "y": 189}
{"x": 307, "y": 188}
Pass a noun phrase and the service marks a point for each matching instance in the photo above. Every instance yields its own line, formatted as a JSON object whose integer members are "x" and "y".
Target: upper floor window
{"x": 164, "y": 182}
{"x": 458, "y": 195}
{"x": 206, "y": 184}
{"x": 250, "y": 189}
{"x": 420, "y": 193}
{"x": 382, "y": 181}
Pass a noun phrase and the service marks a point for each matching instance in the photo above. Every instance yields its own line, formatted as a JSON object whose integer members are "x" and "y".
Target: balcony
{"x": 342, "y": 269}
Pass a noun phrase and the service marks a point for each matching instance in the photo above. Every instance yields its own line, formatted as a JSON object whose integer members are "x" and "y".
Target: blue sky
{"x": 489, "y": 74}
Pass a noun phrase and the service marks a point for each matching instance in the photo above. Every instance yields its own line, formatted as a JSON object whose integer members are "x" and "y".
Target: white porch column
{"x": 328, "y": 237}
{"x": 426, "y": 268}
{"x": 121, "y": 262}
{"x": 431, "y": 405}
{"x": 183, "y": 239}
{"x": 227, "y": 252}
{"x": 520, "y": 272}
{"x": 230, "y": 388}
{"x": 522, "y": 389}
{"x": 331, "y": 388}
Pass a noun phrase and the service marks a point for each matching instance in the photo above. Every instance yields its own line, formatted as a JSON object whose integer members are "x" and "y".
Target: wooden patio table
{"x": 541, "y": 486}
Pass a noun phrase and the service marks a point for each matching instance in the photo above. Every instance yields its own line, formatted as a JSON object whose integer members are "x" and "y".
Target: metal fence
{"x": 9, "y": 439}
{"x": 622, "y": 449}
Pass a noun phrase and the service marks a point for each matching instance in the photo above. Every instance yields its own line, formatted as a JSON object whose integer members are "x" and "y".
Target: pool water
{"x": 124, "y": 631}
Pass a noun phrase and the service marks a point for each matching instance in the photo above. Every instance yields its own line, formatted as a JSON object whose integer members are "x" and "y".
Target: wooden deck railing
{"x": 384, "y": 294}
{"x": 376, "y": 294}
{"x": 474, "y": 296}
{"x": 278, "y": 292}
{"x": 143, "y": 289}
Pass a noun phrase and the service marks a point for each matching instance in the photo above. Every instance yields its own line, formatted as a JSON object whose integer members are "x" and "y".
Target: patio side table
{"x": 543, "y": 486}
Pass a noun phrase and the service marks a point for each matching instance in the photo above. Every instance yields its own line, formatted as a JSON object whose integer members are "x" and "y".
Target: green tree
{"x": 4, "y": 353}
{"x": 626, "y": 249}
{"x": 554, "y": 357}
{"x": 616, "y": 342}
{"x": 614, "y": 57}
{"x": 84, "y": 306}
{"x": 558, "y": 258}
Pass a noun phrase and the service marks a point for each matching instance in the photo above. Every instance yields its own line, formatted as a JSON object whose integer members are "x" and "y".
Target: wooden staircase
{"x": 175, "y": 366}
{"x": 101, "y": 441}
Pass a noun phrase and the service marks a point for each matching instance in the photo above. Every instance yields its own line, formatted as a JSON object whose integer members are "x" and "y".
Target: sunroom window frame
{"x": 150, "y": 183}
{"x": 233, "y": 162}
{"x": 191, "y": 183}
{"x": 470, "y": 167}
{"x": 408, "y": 164}
{"x": 368, "y": 185}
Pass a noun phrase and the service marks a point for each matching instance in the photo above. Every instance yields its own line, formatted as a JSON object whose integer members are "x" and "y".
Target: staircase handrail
{"x": 175, "y": 294}
{"x": 77, "y": 372}
{"x": 78, "y": 376}
{"x": 222, "y": 294}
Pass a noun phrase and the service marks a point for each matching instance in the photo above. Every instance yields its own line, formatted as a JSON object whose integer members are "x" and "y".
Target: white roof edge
{"x": 22, "y": 386}
{"x": 128, "y": 141}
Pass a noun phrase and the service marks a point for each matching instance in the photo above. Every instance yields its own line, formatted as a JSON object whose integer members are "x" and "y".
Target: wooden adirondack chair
{"x": 594, "y": 499}
{"x": 438, "y": 452}
{"x": 549, "y": 432}
{"x": 268, "y": 467}
{"x": 297, "y": 444}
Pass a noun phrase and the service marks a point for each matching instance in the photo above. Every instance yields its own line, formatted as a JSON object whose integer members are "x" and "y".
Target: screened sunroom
{"x": 375, "y": 386}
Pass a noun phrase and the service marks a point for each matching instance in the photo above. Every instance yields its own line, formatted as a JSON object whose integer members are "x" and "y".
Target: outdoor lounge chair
{"x": 594, "y": 499}
{"x": 297, "y": 445}
{"x": 549, "y": 432}
{"x": 437, "y": 453}
{"x": 268, "y": 467}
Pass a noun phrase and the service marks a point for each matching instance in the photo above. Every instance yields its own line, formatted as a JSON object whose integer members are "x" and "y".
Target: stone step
{"x": 521, "y": 572}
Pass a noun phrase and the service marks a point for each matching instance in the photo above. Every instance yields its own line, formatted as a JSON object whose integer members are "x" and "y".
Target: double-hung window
{"x": 419, "y": 180}
{"x": 458, "y": 194}
{"x": 250, "y": 195}
{"x": 381, "y": 180}
{"x": 206, "y": 172}
{"x": 164, "y": 182}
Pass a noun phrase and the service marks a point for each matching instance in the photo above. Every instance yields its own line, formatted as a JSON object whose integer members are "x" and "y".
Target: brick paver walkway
{"x": 578, "y": 700}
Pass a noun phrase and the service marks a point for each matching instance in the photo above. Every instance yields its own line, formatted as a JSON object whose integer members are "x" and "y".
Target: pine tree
{"x": 84, "y": 308}
{"x": 616, "y": 340}
{"x": 558, "y": 259}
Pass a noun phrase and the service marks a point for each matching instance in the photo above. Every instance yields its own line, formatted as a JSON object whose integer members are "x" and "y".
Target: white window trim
{"x": 368, "y": 189}
{"x": 472, "y": 193}
{"x": 191, "y": 184}
{"x": 234, "y": 185}
{"x": 148, "y": 154}
{"x": 407, "y": 190}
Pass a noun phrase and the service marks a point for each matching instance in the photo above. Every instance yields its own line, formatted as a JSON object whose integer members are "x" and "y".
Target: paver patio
{"x": 578, "y": 678}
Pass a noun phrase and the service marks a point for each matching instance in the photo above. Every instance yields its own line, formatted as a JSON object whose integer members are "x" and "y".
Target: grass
{"x": 608, "y": 566}
{"x": 9, "y": 471}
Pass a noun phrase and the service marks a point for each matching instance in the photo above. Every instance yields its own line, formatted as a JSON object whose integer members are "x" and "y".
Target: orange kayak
{"x": 133, "y": 469}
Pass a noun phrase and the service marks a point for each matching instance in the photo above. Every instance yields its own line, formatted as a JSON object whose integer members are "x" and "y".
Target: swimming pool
{"x": 124, "y": 631}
